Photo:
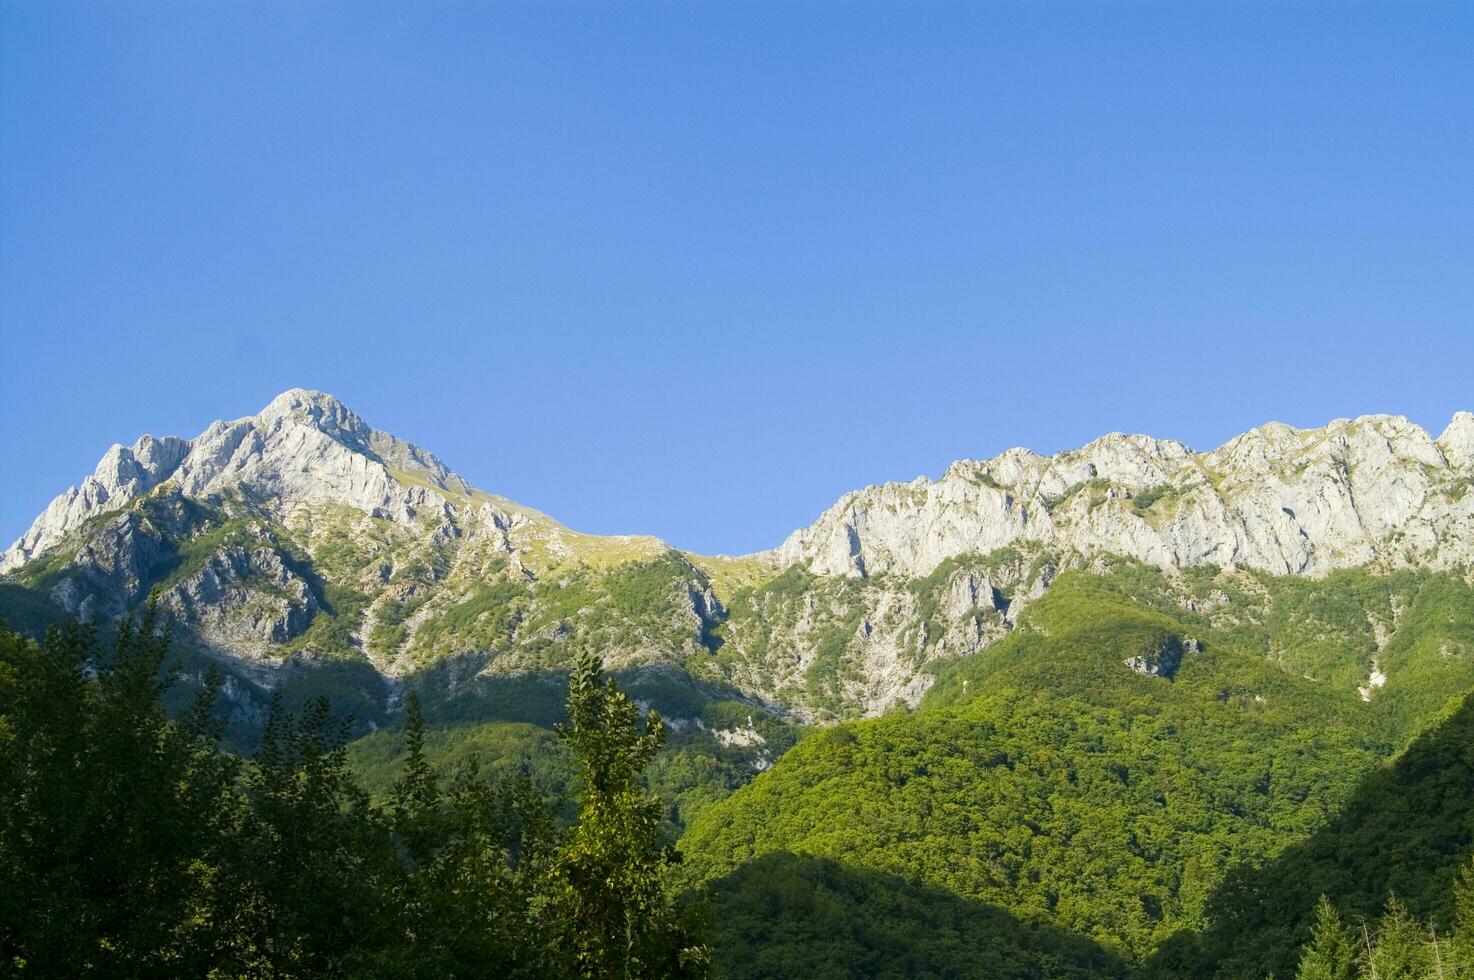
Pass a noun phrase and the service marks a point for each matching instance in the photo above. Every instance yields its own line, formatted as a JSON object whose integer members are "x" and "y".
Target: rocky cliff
{"x": 303, "y": 448}
{"x": 1275, "y": 499}
{"x": 301, "y": 537}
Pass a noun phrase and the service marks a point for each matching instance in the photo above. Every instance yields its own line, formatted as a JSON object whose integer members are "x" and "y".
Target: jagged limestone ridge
{"x": 1275, "y": 499}
{"x": 303, "y": 449}
{"x": 301, "y": 531}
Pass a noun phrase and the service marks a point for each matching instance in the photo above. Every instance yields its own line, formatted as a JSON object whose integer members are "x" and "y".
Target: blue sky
{"x": 697, "y": 269}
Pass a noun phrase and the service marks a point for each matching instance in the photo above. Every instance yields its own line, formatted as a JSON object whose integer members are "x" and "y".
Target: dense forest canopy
{"x": 133, "y": 845}
{"x": 1149, "y": 775}
{"x": 1133, "y": 808}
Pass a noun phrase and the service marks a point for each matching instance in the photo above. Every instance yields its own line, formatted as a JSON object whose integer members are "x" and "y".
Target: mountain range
{"x": 1043, "y": 716}
{"x": 301, "y": 531}
{"x": 301, "y": 534}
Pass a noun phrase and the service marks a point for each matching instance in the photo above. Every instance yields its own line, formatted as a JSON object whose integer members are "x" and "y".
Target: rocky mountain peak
{"x": 320, "y": 411}
{"x": 131, "y": 470}
{"x": 246, "y": 525}
{"x": 1457, "y": 441}
{"x": 305, "y": 447}
{"x": 1276, "y": 499}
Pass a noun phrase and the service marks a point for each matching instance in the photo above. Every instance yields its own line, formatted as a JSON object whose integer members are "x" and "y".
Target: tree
{"x": 610, "y": 911}
{"x": 1331, "y": 952}
{"x": 471, "y": 857}
{"x": 312, "y": 866}
{"x": 132, "y": 845}
{"x": 1461, "y": 942}
{"x": 113, "y": 819}
{"x": 1403, "y": 950}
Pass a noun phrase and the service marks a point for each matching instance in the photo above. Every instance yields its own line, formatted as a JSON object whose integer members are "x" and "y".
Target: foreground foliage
{"x": 1151, "y": 775}
{"x": 1395, "y": 946}
{"x": 131, "y": 845}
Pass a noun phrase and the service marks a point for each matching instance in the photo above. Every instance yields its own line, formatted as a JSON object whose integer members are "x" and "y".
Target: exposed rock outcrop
{"x": 1165, "y": 660}
{"x": 303, "y": 448}
{"x": 123, "y": 474}
{"x": 1275, "y": 499}
{"x": 243, "y": 603}
{"x": 250, "y": 529}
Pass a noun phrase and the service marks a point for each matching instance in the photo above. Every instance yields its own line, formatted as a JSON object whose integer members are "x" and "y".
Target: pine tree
{"x": 1331, "y": 952}
{"x": 463, "y": 900}
{"x": 313, "y": 862}
{"x": 610, "y": 911}
{"x": 1403, "y": 949}
{"x": 416, "y": 805}
{"x": 1459, "y": 959}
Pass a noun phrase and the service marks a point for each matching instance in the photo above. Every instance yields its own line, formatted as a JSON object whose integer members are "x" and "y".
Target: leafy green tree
{"x": 1461, "y": 943}
{"x": 1331, "y": 952}
{"x": 312, "y": 863}
{"x": 133, "y": 846}
{"x": 112, "y": 818}
{"x": 472, "y": 855}
{"x": 610, "y": 911}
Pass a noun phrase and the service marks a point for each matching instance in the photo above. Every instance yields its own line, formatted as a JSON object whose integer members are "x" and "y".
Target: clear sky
{"x": 697, "y": 269}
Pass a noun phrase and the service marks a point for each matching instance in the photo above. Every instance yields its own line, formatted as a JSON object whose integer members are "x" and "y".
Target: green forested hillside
{"x": 132, "y": 845}
{"x": 783, "y": 915}
{"x": 694, "y": 768}
{"x": 1151, "y": 773}
{"x": 1049, "y": 779}
{"x": 1405, "y": 834}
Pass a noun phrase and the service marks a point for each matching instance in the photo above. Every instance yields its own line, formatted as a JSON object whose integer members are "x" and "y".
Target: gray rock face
{"x": 1165, "y": 661}
{"x": 438, "y": 573}
{"x": 1276, "y": 499}
{"x": 1457, "y": 441}
{"x": 304, "y": 448}
{"x": 123, "y": 474}
{"x": 111, "y": 569}
{"x": 242, "y": 603}
{"x": 705, "y": 606}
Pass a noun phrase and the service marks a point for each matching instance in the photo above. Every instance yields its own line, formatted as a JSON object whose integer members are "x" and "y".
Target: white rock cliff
{"x": 1275, "y": 499}
{"x": 242, "y": 530}
{"x": 304, "y": 448}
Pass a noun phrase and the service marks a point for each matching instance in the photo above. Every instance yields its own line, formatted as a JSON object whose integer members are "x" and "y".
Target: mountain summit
{"x": 1275, "y": 499}
{"x": 306, "y": 447}
{"x": 301, "y": 536}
